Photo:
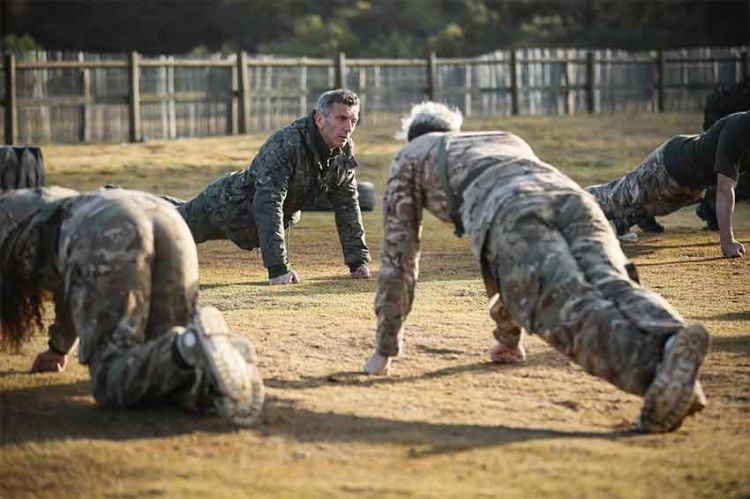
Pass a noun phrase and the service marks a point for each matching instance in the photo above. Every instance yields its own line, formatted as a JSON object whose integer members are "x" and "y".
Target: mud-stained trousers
{"x": 647, "y": 191}
{"x": 131, "y": 276}
{"x": 561, "y": 274}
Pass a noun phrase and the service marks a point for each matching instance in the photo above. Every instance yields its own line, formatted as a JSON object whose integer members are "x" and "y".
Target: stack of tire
{"x": 366, "y": 193}
{"x": 21, "y": 167}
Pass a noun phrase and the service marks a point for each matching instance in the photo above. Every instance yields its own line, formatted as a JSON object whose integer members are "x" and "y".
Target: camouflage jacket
{"x": 289, "y": 171}
{"x": 485, "y": 172}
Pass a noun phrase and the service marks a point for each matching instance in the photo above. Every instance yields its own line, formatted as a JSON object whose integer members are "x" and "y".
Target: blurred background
{"x": 135, "y": 70}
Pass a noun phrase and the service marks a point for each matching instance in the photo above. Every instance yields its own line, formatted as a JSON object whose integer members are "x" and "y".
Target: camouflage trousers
{"x": 131, "y": 275}
{"x": 222, "y": 211}
{"x": 647, "y": 191}
{"x": 561, "y": 274}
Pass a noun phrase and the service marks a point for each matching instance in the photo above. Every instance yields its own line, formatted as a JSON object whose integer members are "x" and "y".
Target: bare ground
{"x": 447, "y": 423}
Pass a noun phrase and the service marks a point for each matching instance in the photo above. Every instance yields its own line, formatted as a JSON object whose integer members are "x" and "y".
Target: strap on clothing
{"x": 442, "y": 165}
{"x": 455, "y": 200}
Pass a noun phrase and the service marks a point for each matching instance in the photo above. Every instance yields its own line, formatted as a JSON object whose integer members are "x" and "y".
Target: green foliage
{"x": 383, "y": 28}
{"x": 315, "y": 38}
{"x": 22, "y": 43}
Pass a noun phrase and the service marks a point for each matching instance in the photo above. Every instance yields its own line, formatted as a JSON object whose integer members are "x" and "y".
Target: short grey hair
{"x": 340, "y": 95}
{"x": 427, "y": 117}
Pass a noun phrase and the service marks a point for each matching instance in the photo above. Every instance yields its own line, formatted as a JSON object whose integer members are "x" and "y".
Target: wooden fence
{"x": 55, "y": 97}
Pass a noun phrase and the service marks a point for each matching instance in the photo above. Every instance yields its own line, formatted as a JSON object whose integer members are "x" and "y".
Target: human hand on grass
{"x": 378, "y": 364}
{"x": 290, "y": 277}
{"x": 49, "y": 361}
{"x": 501, "y": 354}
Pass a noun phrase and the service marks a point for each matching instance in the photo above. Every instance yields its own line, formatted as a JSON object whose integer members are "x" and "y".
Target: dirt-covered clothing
{"x": 694, "y": 160}
{"x": 253, "y": 207}
{"x": 123, "y": 271}
{"x": 543, "y": 245}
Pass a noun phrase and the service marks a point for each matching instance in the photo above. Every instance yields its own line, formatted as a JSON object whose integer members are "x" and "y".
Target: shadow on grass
{"x": 425, "y": 439}
{"x": 732, "y": 344}
{"x": 67, "y": 411}
{"x": 727, "y": 316}
{"x": 339, "y": 284}
{"x": 358, "y": 378}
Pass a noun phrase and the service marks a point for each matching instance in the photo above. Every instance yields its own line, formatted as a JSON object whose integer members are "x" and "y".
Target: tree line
{"x": 374, "y": 28}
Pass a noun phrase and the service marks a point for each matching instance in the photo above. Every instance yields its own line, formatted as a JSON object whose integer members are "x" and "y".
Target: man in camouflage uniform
{"x": 551, "y": 265}
{"x": 676, "y": 174}
{"x": 254, "y": 206}
{"x": 122, "y": 270}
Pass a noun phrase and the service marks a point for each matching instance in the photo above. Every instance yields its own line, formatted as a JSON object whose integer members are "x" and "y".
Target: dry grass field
{"x": 447, "y": 423}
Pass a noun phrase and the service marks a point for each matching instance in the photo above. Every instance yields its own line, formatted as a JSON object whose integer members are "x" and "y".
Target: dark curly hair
{"x": 21, "y": 299}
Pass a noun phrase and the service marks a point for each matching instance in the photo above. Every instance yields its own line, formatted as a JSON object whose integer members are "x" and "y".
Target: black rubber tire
{"x": 21, "y": 167}
{"x": 365, "y": 190}
{"x": 366, "y": 193}
{"x": 725, "y": 100}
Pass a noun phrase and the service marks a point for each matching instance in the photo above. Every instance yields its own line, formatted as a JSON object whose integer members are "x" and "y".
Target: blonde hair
{"x": 427, "y": 117}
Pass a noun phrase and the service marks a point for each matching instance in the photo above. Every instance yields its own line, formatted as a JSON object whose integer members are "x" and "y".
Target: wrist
{"x": 277, "y": 270}
{"x": 52, "y": 348}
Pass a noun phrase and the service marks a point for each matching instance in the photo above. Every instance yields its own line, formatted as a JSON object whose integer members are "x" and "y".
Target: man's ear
{"x": 319, "y": 118}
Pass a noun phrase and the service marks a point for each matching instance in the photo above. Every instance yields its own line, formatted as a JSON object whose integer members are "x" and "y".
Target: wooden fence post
{"x": 11, "y": 105}
{"x": 660, "y": 81}
{"x": 514, "y": 101}
{"x": 84, "y": 131}
{"x": 590, "y": 82}
{"x": 243, "y": 93}
{"x": 134, "y": 98}
{"x": 431, "y": 76}
{"x": 340, "y": 78}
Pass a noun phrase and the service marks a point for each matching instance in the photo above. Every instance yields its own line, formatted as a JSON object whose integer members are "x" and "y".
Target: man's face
{"x": 338, "y": 125}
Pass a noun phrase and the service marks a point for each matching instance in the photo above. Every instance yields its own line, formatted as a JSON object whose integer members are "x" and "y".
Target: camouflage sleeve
{"x": 345, "y": 203}
{"x": 399, "y": 258}
{"x": 274, "y": 166}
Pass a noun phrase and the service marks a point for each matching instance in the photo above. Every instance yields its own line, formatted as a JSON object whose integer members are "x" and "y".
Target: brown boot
{"x": 675, "y": 392}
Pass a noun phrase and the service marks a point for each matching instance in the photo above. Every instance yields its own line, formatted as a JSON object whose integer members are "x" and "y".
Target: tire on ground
{"x": 366, "y": 196}
{"x": 725, "y": 100}
{"x": 365, "y": 190}
{"x": 21, "y": 167}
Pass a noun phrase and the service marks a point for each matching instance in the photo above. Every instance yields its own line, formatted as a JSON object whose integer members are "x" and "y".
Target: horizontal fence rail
{"x": 67, "y": 98}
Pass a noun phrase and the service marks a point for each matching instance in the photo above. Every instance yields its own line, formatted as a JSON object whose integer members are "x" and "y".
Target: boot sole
{"x": 240, "y": 383}
{"x": 675, "y": 393}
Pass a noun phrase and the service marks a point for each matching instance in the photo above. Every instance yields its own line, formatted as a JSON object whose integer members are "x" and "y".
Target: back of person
{"x": 694, "y": 160}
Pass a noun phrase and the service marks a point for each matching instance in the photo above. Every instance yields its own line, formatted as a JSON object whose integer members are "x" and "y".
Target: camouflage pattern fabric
{"x": 545, "y": 248}
{"x": 123, "y": 272}
{"x": 252, "y": 207}
{"x": 647, "y": 191}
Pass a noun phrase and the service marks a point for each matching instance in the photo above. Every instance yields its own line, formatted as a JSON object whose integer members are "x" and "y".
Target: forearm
{"x": 391, "y": 310}
{"x": 349, "y": 225}
{"x": 62, "y": 333}
{"x": 725, "y": 209}
{"x": 267, "y": 211}
{"x": 395, "y": 294}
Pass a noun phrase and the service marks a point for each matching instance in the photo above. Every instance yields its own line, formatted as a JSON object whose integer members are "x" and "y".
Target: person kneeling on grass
{"x": 675, "y": 175}
{"x": 551, "y": 264}
{"x": 122, "y": 270}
